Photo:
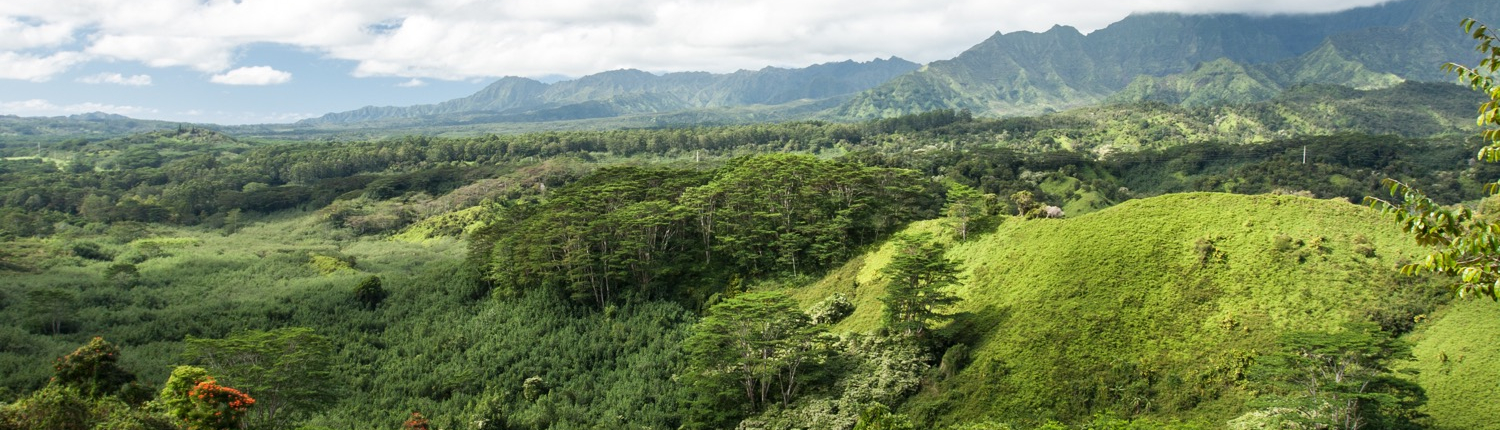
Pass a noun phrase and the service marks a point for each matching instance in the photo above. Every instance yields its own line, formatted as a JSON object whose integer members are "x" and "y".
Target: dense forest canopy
{"x": 787, "y": 275}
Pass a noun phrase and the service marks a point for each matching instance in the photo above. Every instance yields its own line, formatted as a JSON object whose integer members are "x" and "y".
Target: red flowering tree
{"x": 216, "y": 406}
{"x": 415, "y": 422}
{"x": 194, "y": 397}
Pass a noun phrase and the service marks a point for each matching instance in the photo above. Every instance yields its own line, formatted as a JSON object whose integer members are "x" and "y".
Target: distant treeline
{"x": 193, "y": 176}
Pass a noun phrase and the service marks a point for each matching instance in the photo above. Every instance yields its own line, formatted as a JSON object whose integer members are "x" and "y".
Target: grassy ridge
{"x": 1158, "y": 306}
{"x": 1458, "y": 365}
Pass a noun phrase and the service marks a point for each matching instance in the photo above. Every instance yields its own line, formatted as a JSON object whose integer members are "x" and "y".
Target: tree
{"x": 1337, "y": 380}
{"x": 1026, "y": 204}
{"x": 194, "y": 397}
{"x": 916, "y": 276}
{"x": 287, "y": 369}
{"x": 370, "y": 292}
{"x": 760, "y": 342}
{"x": 93, "y": 368}
{"x": 416, "y": 422}
{"x": 51, "y": 308}
{"x": 1466, "y": 245}
{"x": 964, "y": 205}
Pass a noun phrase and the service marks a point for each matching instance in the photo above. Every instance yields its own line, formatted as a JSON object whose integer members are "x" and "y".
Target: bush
{"x": 93, "y": 369}
{"x": 91, "y": 251}
{"x": 54, "y": 407}
{"x": 370, "y": 292}
{"x": 831, "y": 310}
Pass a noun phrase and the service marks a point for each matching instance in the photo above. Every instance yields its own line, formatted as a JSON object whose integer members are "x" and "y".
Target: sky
{"x": 277, "y": 61}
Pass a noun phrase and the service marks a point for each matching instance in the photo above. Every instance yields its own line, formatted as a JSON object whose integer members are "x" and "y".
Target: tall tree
{"x": 916, "y": 277}
{"x": 1338, "y": 380}
{"x": 286, "y": 369}
{"x": 760, "y": 342}
{"x": 965, "y": 204}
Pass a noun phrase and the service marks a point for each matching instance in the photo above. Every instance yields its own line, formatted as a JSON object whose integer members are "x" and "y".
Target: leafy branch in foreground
{"x": 1466, "y": 245}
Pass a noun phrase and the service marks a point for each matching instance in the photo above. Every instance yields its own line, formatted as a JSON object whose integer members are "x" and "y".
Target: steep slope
{"x": 1008, "y": 75}
{"x": 624, "y": 92}
{"x": 1224, "y": 81}
{"x": 1158, "y": 306}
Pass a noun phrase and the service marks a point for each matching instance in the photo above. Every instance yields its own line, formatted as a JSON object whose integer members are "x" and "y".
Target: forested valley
{"x": 1123, "y": 266}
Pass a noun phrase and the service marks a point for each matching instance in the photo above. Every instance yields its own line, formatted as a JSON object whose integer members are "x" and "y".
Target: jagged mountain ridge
{"x": 622, "y": 92}
{"x": 1029, "y": 73}
{"x": 1193, "y": 60}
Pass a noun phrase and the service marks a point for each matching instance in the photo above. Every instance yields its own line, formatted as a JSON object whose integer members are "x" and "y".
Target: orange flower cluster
{"x": 217, "y": 406}
{"x": 416, "y": 422}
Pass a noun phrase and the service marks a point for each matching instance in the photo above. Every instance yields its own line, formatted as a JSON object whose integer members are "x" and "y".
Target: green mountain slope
{"x": 1158, "y": 306}
{"x": 1224, "y": 81}
{"x": 1027, "y": 73}
{"x": 625, "y": 92}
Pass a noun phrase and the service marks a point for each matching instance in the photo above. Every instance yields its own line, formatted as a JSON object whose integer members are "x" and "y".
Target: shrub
{"x": 91, "y": 251}
{"x": 93, "y": 369}
{"x": 54, "y": 407}
{"x": 534, "y": 388}
{"x": 831, "y": 310}
{"x": 370, "y": 292}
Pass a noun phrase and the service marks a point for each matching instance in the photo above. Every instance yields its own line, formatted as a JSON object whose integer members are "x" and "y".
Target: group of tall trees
{"x": 660, "y": 233}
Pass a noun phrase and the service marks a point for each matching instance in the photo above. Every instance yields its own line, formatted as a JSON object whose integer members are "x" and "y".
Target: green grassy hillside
{"x": 1157, "y": 307}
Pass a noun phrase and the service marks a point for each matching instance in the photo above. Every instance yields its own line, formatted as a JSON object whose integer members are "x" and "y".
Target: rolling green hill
{"x": 1158, "y": 307}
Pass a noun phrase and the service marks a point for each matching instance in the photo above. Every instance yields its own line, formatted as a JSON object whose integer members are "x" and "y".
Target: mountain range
{"x": 623, "y": 92}
{"x": 1192, "y": 60}
{"x": 1197, "y": 59}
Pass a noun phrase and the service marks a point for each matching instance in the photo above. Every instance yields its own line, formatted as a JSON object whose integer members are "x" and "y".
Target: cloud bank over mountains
{"x": 477, "y": 39}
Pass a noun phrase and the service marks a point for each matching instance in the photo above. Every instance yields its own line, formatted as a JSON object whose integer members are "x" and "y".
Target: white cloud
{"x": 34, "y": 68}
{"x": 413, "y": 83}
{"x": 464, "y": 39}
{"x": 117, "y": 79}
{"x": 201, "y": 53}
{"x": 257, "y": 75}
{"x": 40, "y": 107}
{"x": 15, "y": 34}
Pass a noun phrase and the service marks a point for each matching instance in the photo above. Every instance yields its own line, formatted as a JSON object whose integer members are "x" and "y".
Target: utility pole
{"x": 1304, "y": 154}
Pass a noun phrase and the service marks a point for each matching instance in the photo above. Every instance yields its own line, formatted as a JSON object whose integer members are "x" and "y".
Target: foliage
{"x": 174, "y": 397}
{"x": 1026, "y": 205}
{"x": 369, "y": 292}
{"x": 416, "y": 422}
{"x": 879, "y": 417}
{"x": 216, "y": 406}
{"x": 55, "y": 407}
{"x": 1465, "y": 244}
{"x": 1337, "y": 380}
{"x": 758, "y": 345}
{"x": 660, "y": 233}
{"x": 93, "y": 368}
{"x": 862, "y": 372}
{"x": 966, "y": 206}
{"x": 917, "y": 275}
{"x": 288, "y": 369}
{"x": 831, "y": 310}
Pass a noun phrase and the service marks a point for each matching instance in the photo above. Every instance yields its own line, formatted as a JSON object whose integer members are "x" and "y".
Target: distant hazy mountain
{"x": 1193, "y": 59}
{"x": 94, "y": 124}
{"x": 624, "y": 92}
